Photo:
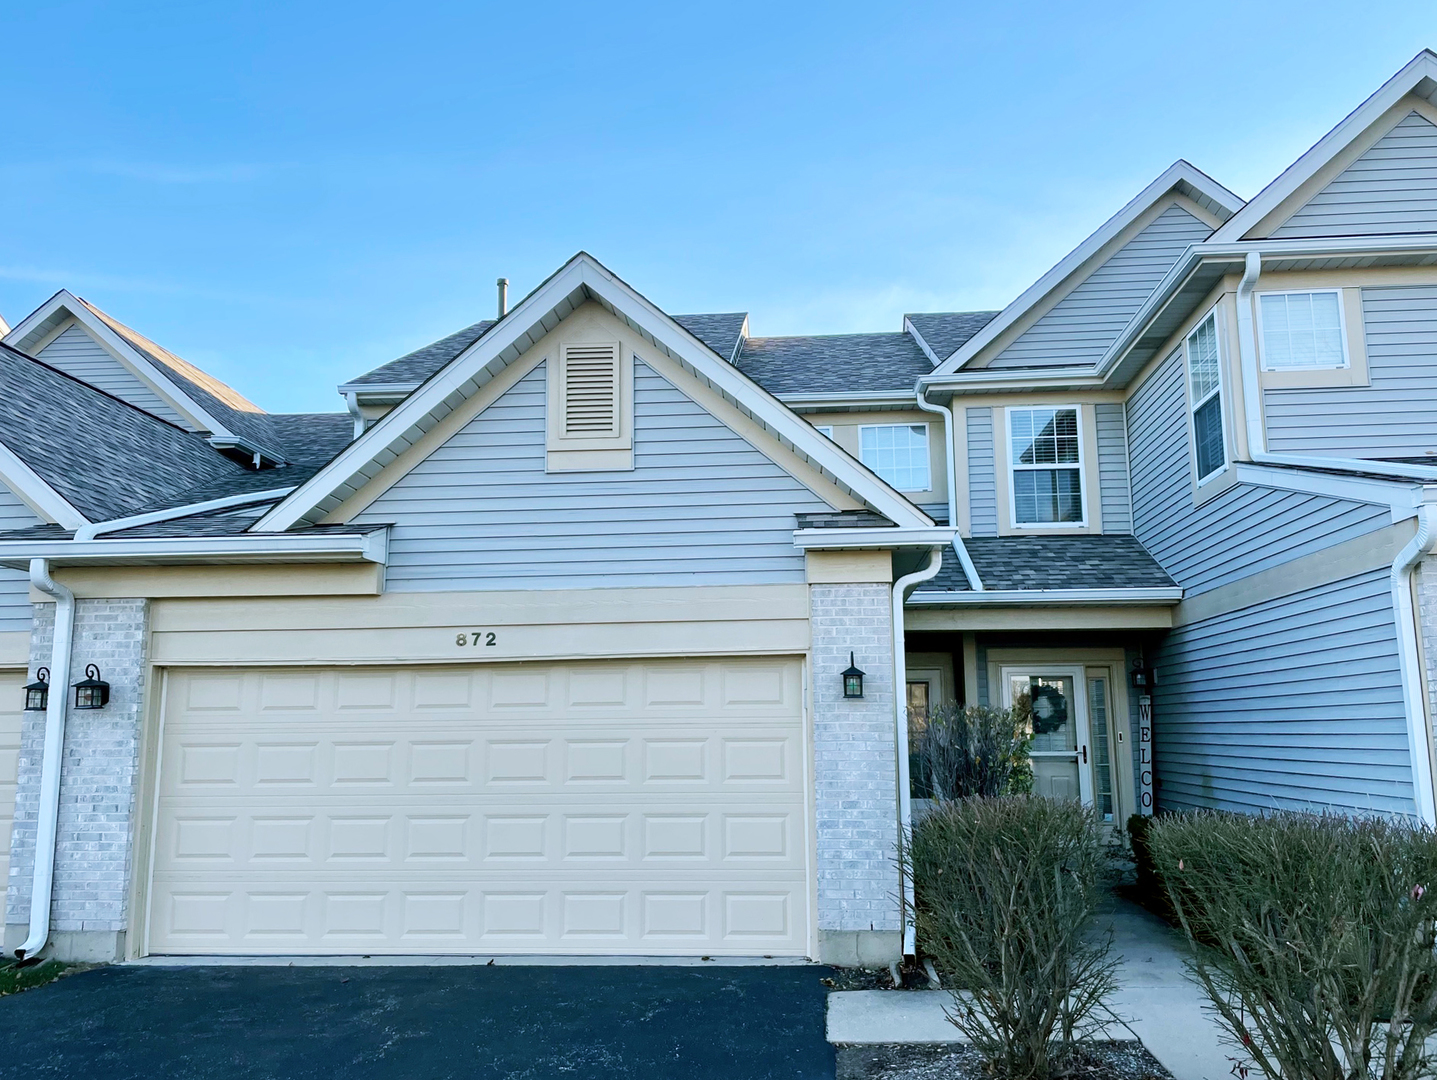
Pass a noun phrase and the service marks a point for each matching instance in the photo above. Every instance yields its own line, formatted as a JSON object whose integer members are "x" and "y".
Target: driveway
{"x": 156, "y": 1023}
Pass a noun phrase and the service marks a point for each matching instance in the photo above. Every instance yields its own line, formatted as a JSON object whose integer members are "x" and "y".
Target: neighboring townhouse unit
{"x": 547, "y": 644}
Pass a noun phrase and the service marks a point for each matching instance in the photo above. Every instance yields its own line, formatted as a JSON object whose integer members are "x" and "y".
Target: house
{"x": 547, "y": 644}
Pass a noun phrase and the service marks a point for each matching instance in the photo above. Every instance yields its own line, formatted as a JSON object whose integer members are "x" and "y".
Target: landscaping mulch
{"x": 1126, "y": 1060}
{"x": 912, "y": 974}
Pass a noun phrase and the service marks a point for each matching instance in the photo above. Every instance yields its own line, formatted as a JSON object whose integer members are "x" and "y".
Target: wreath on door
{"x": 1050, "y": 709}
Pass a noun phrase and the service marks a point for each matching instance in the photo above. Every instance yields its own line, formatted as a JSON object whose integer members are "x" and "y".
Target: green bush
{"x": 1006, "y": 891}
{"x": 957, "y": 751}
{"x": 1313, "y": 937}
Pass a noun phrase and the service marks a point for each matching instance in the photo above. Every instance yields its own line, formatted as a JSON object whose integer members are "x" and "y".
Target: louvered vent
{"x": 591, "y": 390}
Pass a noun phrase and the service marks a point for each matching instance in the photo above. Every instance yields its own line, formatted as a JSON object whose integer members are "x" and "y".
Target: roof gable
{"x": 1204, "y": 198}
{"x": 1308, "y": 175}
{"x": 581, "y": 280}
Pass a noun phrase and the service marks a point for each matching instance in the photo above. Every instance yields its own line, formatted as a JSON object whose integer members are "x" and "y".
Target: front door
{"x": 1052, "y": 699}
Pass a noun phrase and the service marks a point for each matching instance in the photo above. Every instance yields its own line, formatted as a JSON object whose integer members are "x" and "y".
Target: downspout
{"x": 1419, "y": 742}
{"x": 43, "y": 881}
{"x": 951, "y": 463}
{"x": 351, "y": 401}
{"x": 901, "y": 588}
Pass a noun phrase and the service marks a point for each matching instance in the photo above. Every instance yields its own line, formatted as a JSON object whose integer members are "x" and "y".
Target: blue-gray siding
{"x": 1391, "y": 189}
{"x": 701, "y": 506}
{"x": 1113, "y": 468}
{"x": 1079, "y": 328}
{"x": 76, "y": 353}
{"x": 1394, "y": 416}
{"x": 982, "y": 478}
{"x": 1291, "y": 703}
{"x": 1239, "y": 532}
{"x": 14, "y": 584}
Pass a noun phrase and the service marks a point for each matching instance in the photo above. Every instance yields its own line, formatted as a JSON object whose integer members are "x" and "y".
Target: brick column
{"x": 93, "y": 849}
{"x": 855, "y": 767}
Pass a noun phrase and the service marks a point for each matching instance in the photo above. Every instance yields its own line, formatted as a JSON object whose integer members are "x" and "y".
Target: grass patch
{"x": 14, "y": 978}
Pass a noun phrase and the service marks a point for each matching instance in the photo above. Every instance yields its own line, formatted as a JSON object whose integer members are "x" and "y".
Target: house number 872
{"x": 478, "y": 637}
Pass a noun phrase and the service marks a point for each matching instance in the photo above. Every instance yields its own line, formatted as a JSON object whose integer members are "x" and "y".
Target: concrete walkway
{"x": 1163, "y": 1008}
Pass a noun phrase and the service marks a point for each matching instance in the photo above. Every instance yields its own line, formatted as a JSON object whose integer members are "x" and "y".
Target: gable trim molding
{"x": 25, "y": 482}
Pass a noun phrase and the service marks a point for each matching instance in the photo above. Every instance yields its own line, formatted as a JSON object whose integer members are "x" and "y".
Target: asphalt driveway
{"x": 387, "y": 1023}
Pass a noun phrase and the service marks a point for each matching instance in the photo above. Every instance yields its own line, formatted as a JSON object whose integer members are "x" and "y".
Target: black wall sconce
{"x": 92, "y": 692}
{"x": 37, "y": 693}
{"x": 1144, "y": 679}
{"x": 852, "y": 680}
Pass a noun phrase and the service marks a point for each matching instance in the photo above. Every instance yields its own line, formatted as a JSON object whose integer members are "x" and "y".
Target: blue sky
{"x": 289, "y": 195}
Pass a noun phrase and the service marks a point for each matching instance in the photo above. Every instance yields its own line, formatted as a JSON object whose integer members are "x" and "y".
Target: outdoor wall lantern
{"x": 92, "y": 692}
{"x": 852, "y": 680}
{"x": 37, "y": 693}
{"x": 1143, "y": 678}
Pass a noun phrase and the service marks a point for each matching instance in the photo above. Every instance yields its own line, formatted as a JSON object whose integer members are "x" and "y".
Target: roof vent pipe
{"x": 503, "y": 296}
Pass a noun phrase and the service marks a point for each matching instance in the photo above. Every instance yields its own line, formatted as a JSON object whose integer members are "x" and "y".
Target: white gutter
{"x": 900, "y": 723}
{"x": 865, "y": 537}
{"x": 1049, "y": 597}
{"x": 90, "y": 530}
{"x": 327, "y": 547}
{"x": 43, "y": 880}
{"x": 950, "y": 463}
{"x": 860, "y": 399}
{"x": 1419, "y": 740}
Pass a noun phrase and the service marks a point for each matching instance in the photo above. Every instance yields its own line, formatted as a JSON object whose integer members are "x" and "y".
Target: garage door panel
{"x": 587, "y": 808}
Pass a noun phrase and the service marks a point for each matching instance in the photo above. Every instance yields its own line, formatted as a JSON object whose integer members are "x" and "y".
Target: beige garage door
{"x": 640, "y": 808}
{"x": 12, "y": 702}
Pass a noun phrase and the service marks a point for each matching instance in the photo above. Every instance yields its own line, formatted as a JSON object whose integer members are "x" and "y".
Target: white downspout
{"x": 43, "y": 881}
{"x": 951, "y": 463}
{"x": 351, "y": 400}
{"x": 901, "y": 588}
{"x": 1419, "y": 740}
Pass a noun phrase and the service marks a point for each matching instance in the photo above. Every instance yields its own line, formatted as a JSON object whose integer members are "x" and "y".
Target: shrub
{"x": 1006, "y": 892}
{"x": 958, "y": 751}
{"x": 1312, "y": 935}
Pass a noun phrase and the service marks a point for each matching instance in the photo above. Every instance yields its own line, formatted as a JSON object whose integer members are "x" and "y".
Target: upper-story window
{"x": 1302, "y": 330}
{"x": 824, "y": 429}
{"x": 1046, "y": 456}
{"x": 1205, "y": 398}
{"x": 898, "y": 453}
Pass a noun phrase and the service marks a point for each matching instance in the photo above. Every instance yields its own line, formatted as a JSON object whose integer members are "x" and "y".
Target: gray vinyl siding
{"x": 1391, "y": 189}
{"x": 1396, "y": 414}
{"x": 1113, "y": 468}
{"x": 77, "y": 354}
{"x": 1079, "y": 328}
{"x": 982, "y": 477}
{"x": 700, "y": 507}
{"x": 1291, "y": 703}
{"x": 14, "y": 584}
{"x": 1245, "y": 529}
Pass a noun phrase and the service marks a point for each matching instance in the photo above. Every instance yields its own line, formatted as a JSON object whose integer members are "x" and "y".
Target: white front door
{"x": 1061, "y": 749}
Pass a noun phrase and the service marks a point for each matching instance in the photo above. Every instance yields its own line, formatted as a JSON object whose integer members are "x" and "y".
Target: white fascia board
{"x": 143, "y": 368}
{"x": 584, "y": 271}
{"x": 884, "y": 536}
{"x": 844, "y": 401}
{"x": 1179, "y": 172}
{"x": 1048, "y": 597}
{"x": 1402, "y": 496}
{"x": 1423, "y": 65}
{"x": 986, "y": 380}
{"x": 362, "y": 389}
{"x": 41, "y": 497}
{"x": 166, "y": 550}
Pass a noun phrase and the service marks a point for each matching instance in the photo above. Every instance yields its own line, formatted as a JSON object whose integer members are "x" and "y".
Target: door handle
{"x": 1085, "y": 755}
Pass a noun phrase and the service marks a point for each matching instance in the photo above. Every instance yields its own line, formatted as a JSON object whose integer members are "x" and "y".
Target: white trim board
{"x": 39, "y": 496}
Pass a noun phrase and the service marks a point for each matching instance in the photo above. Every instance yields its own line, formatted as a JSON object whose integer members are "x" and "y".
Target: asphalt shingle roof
{"x": 833, "y": 364}
{"x": 945, "y": 332}
{"x": 1054, "y": 562}
{"x": 721, "y": 333}
{"x": 413, "y": 368}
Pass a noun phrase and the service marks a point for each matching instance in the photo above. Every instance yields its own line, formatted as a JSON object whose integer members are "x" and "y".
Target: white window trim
{"x": 1081, "y": 467}
{"x": 1220, "y": 391}
{"x": 824, "y": 429}
{"x": 927, "y": 450}
{"x": 1341, "y": 323}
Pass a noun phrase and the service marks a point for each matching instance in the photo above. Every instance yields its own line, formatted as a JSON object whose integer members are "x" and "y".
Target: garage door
{"x": 642, "y": 808}
{"x": 12, "y": 700}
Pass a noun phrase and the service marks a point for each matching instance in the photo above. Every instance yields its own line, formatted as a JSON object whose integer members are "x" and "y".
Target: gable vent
{"x": 591, "y": 390}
